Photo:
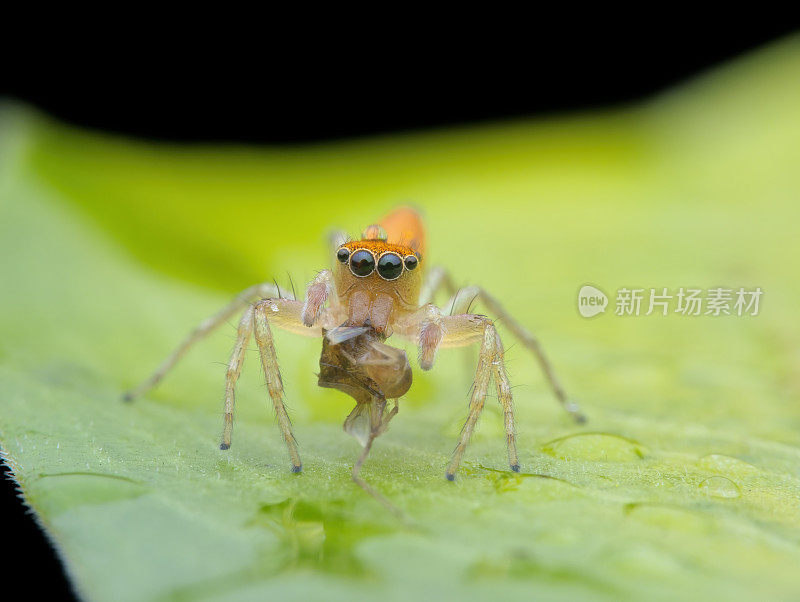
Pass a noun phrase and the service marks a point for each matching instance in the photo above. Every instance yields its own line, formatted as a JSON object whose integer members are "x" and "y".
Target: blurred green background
{"x": 684, "y": 483}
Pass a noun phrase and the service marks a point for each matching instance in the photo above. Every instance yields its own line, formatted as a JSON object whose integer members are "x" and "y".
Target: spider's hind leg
{"x": 465, "y": 297}
{"x": 203, "y": 330}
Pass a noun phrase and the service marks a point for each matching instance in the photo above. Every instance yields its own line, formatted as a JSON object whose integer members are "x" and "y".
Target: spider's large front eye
{"x": 390, "y": 266}
{"x": 343, "y": 255}
{"x": 362, "y": 263}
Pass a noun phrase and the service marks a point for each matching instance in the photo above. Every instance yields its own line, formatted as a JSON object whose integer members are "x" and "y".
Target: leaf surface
{"x": 684, "y": 483}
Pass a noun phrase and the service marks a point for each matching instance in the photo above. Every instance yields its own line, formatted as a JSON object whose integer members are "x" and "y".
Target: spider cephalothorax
{"x": 377, "y": 281}
{"x": 377, "y": 288}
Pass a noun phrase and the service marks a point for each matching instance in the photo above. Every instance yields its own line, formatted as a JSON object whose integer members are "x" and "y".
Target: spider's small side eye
{"x": 390, "y": 266}
{"x": 362, "y": 263}
{"x": 343, "y": 255}
{"x": 411, "y": 262}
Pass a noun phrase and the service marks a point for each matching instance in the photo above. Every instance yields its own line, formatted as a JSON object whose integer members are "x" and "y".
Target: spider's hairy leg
{"x": 503, "y": 386}
{"x": 318, "y": 292}
{"x": 243, "y": 334}
{"x": 285, "y": 314}
{"x": 337, "y": 238}
{"x": 263, "y": 312}
{"x": 465, "y": 297}
{"x": 465, "y": 329}
{"x": 241, "y": 300}
{"x": 433, "y": 331}
{"x": 424, "y": 326}
{"x": 436, "y": 279}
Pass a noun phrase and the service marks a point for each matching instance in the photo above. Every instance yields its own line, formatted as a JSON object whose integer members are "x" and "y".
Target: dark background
{"x": 329, "y": 95}
{"x": 291, "y": 94}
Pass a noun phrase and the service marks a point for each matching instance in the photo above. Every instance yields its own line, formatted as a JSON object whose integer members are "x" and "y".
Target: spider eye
{"x": 390, "y": 266}
{"x": 362, "y": 263}
{"x": 411, "y": 262}
{"x": 343, "y": 255}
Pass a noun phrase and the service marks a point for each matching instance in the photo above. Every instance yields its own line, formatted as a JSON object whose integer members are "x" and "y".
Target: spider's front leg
{"x": 435, "y": 331}
{"x": 269, "y": 363}
{"x": 317, "y": 293}
{"x": 247, "y": 296}
{"x": 287, "y": 314}
{"x": 460, "y": 303}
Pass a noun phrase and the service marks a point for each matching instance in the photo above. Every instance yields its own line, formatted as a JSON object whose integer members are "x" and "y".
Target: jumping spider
{"x": 375, "y": 290}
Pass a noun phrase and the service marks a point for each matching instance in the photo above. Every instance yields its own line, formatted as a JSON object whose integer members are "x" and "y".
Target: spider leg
{"x": 436, "y": 279}
{"x": 337, "y": 238}
{"x": 285, "y": 313}
{"x": 306, "y": 318}
{"x": 460, "y": 303}
{"x": 465, "y": 329}
{"x": 318, "y": 292}
{"x": 243, "y": 335}
{"x": 434, "y": 330}
{"x": 258, "y": 291}
{"x": 287, "y": 310}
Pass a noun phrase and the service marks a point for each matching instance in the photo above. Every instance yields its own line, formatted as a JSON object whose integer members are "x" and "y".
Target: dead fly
{"x": 376, "y": 289}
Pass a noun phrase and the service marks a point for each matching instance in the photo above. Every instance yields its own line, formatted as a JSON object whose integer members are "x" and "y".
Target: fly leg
{"x": 378, "y": 424}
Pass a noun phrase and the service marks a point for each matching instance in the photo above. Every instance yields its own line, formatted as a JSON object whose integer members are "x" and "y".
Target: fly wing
{"x": 359, "y": 423}
{"x": 404, "y": 226}
{"x": 340, "y": 334}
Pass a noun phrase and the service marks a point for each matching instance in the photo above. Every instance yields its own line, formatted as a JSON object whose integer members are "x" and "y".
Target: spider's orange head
{"x": 374, "y": 259}
{"x": 386, "y": 263}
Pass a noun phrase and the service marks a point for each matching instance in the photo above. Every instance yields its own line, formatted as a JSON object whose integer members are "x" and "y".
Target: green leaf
{"x": 684, "y": 483}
